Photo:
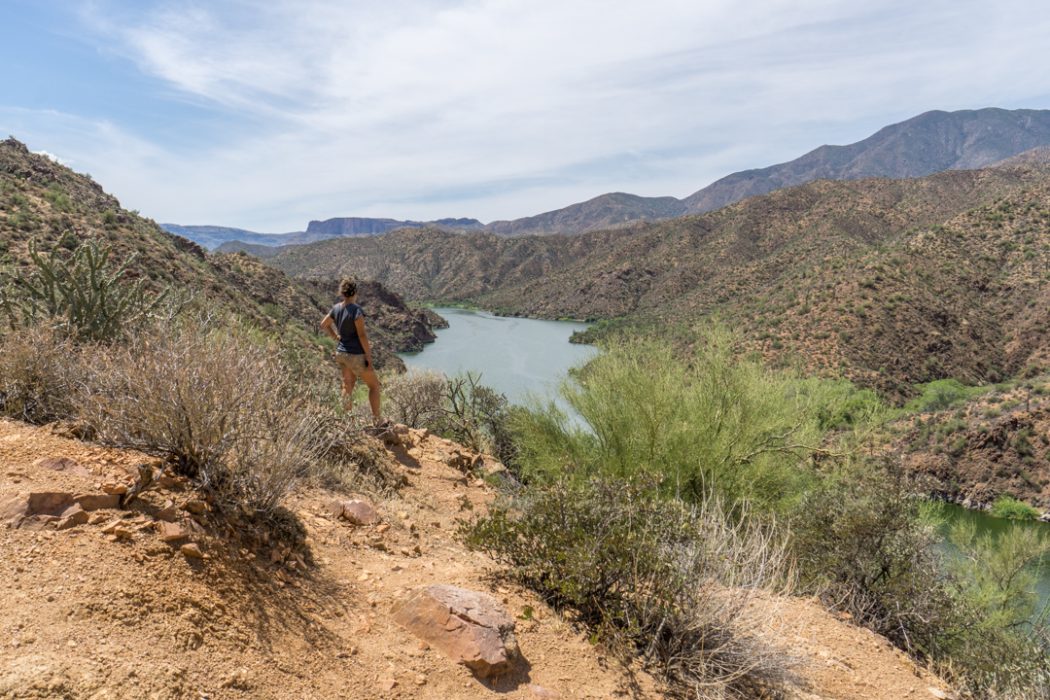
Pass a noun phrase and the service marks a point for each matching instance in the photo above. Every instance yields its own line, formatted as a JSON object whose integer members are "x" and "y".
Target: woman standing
{"x": 346, "y": 324}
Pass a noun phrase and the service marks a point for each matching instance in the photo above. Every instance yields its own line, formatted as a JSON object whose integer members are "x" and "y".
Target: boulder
{"x": 469, "y": 627}
{"x": 62, "y": 464}
{"x": 71, "y": 517}
{"x": 356, "y": 511}
{"x": 97, "y": 501}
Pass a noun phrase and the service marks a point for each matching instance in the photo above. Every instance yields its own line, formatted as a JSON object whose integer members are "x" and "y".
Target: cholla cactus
{"x": 82, "y": 295}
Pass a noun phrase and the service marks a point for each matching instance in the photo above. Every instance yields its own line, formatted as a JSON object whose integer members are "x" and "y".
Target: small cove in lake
{"x": 517, "y": 357}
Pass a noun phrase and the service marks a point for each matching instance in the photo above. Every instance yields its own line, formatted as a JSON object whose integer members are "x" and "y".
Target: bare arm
{"x": 328, "y": 326}
{"x": 363, "y": 337}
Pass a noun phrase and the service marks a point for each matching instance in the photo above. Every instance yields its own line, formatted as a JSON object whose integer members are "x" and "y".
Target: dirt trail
{"x": 106, "y": 609}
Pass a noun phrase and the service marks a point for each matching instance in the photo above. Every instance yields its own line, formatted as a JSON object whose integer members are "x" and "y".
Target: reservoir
{"x": 517, "y": 357}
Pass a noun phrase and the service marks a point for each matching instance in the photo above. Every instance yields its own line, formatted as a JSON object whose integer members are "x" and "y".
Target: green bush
{"x": 721, "y": 424}
{"x": 942, "y": 394}
{"x": 859, "y": 539}
{"x": 649, "y": 577}
{"x": 1006, "y": 506}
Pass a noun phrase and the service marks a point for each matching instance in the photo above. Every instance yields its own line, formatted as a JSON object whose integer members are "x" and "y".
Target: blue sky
{"x": 266, "y": 115}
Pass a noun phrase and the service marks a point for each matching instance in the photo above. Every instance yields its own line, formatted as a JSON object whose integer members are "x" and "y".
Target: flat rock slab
{"x": 469, "y": 627}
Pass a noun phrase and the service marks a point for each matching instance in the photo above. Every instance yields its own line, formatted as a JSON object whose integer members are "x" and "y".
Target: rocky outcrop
{"x": 469, "y": 627}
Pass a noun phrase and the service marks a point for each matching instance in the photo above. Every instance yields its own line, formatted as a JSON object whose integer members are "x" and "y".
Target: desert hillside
{"x": 49, "y": 205}
{"x": 171, "y": 598}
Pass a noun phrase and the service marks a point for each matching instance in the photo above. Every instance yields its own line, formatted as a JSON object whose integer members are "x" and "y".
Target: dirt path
{"x": 106, "y": 609}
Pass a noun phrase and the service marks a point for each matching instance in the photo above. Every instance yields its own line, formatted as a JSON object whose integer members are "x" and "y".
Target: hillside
{"x": 45, "y": 202}
{"x": 890, "y": 281}
{"x": 605, "y": 211}
{"x": 115, "y": 605}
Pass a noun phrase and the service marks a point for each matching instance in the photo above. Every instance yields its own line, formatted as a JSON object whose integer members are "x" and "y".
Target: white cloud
{"x": 504, "y": 108}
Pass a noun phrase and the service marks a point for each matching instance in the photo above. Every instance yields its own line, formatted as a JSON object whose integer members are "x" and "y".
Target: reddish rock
{"x": 62, "y": 464}
{"x": 114, "y": 488}
{"x": 357, "y": 511}
{"x": 171, "y": 532}
{"x": 97, "y": 501}
{"x": 469, "y": 627}
{"x": 48, "y": 503}
{"x": 195, "y": 507}
{"x": 191, "y": 551}
{"x": 71, "y": 517}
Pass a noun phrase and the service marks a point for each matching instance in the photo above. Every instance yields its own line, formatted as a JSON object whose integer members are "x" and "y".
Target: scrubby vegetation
{"x": 1013, "y": 509}
{"x": 222, "y": 403}
{"x": 782, "y": 455}
{"x": 656, "y": 578}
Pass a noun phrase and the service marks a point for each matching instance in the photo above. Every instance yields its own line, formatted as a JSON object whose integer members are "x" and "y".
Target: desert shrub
{"x": 479, "y": 417}
{"x": 719, "y": 423}
{"x": 860, "y": 540}
{"x": 82, "y": 295}
{"x": 995, "y": 641}
{"x": 213, "y": 402}
{"x": 649, "y": 577}
{"x": 415, "y": 398}
{"x": 1006, "y": 506}
{"x": 38, "y": 375}
{"x": 942, "y": 394}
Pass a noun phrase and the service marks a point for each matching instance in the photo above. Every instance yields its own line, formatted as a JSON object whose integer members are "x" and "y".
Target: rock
{"x": 358, "y": 511}
{"x": 167, "y": 513}
{"x": 71, "y": 517}
{"x": 938, "y": 693}
{"x": 114, "y": 488}
{"x": 62, "y": 464}
{"x": 48, "y": 503}
{"x": 35, "y": 509}
{"x": 469, "y": 627}
{"x": 171, "y": 532}
{"x": 195, "y": 507}
{"x": 97, "y": 501}
{"x": 191, "y": 551}
{"x": 539, "y": 691}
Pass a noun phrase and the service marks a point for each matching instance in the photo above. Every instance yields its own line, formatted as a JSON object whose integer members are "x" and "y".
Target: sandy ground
{"x": 86, "y": 613}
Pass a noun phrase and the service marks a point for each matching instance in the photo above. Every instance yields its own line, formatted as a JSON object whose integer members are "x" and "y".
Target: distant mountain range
{"x": 213, "y": 237}
{"x": 931, "y": 142}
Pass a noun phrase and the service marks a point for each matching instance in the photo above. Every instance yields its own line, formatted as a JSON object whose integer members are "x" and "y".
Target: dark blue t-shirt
{"x": 344, "y": 316}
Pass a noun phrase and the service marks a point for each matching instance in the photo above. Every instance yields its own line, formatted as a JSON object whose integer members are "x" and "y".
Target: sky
{"x": 265, "y": 115}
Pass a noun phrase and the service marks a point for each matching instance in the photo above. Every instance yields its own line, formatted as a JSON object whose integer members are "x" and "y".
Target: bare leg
{"x": 349, "y": 382}
{"x": 369, "y": 378}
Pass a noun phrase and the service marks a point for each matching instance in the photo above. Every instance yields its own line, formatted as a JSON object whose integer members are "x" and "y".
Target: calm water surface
{"x": 515, "y": 356}
{"x": 986, "y": 524}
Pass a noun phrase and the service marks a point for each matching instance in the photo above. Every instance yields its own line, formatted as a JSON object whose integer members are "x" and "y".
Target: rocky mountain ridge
{"x": 931, "y": 142}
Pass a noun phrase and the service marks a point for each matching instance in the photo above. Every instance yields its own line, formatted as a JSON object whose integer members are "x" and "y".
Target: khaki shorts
{"x": 355, "y": 363}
